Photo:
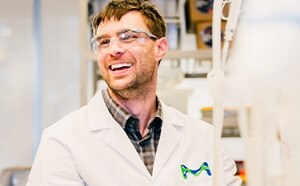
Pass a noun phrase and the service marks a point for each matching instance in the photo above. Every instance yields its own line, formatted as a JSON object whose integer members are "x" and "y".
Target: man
{"x": 126, "y": 135}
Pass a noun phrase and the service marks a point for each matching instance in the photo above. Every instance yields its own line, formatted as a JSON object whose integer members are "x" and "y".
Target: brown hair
{"x": 118, "y": 8}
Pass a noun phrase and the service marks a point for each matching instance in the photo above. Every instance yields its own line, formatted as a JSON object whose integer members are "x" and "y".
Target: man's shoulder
{"x": 70, "y": 121}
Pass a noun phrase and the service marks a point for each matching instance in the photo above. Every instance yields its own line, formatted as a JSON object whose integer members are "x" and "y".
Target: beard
{"x": 139, "y": 85}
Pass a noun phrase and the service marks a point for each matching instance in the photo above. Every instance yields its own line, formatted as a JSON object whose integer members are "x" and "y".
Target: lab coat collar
{"x": 97, "y": 113}
{"x": 99, "y": 118}
{"x": 169, "y": 139}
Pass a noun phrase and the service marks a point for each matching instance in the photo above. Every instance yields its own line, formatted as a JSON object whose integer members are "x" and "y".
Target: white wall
{"x": 16, "y": 56}
{"x": 59, "y": 59}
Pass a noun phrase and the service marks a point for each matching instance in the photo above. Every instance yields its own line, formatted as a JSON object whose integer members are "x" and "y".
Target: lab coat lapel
{"x": 118, "y": 140}
{"x": 169, "y": 140}
{"x": 100, "y": 119}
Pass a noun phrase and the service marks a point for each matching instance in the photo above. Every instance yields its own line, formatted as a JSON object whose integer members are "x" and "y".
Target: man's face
{"x": 123, "y": 67}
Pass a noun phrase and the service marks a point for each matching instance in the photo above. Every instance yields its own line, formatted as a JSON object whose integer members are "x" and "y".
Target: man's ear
{"x": 162, "y": 48}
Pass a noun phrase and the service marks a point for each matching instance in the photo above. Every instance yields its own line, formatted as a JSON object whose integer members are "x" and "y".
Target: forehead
{"x": 131, "y": 19}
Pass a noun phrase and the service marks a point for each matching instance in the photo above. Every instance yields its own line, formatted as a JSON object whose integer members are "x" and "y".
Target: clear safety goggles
{"x": 126, "y": 38}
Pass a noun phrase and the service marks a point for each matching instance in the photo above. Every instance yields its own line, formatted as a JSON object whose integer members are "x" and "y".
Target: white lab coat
{"x": 88, "y": 147}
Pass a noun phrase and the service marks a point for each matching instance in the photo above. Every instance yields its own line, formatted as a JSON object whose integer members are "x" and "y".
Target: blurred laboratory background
{"x": 48, "y": 69}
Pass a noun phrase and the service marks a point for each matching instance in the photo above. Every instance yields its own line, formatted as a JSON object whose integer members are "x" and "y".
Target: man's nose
{"x": 115, "y": 47}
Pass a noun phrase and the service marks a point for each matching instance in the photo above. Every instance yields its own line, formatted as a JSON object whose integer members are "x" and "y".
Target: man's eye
{"x": 104, "y": 42}
{"x": 128, "y": 37}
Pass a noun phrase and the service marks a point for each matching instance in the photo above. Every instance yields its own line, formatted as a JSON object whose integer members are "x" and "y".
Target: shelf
{"x": 175, "y": 54}
{"x": 196, "y": 54}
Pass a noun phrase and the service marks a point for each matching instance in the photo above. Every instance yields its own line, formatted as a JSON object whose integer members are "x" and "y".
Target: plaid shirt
{"x": 146, "y": 146}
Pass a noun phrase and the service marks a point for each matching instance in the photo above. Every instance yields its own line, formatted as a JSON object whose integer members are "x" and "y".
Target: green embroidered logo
{"x": 203, "y": 167}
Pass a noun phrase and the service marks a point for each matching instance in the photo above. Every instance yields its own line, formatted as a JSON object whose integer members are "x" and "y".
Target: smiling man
{"x": 126, "y": 135}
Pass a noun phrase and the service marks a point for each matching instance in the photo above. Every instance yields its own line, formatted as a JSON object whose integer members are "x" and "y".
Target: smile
{"x": 120, "y": 66}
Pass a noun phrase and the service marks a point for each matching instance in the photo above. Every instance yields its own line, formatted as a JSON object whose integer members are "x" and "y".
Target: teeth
{"x": 121, "y": 65}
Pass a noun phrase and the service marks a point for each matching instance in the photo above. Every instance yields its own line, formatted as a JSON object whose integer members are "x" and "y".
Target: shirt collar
{"x": 120, "y": 114}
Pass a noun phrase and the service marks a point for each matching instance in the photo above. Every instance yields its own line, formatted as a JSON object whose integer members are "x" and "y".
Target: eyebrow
{"x": 97, "y": 37}
{"x": 107, "y": 35}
